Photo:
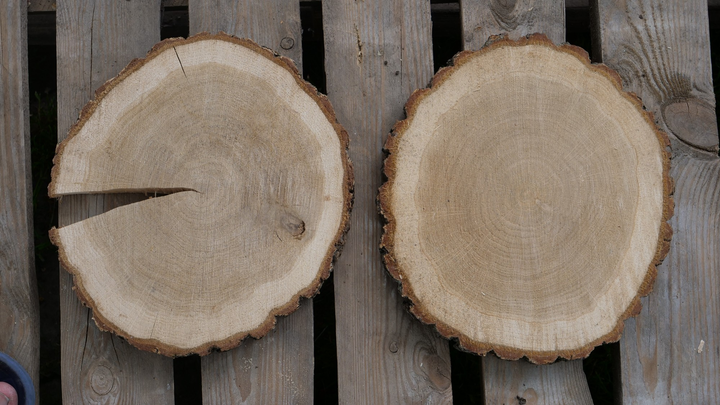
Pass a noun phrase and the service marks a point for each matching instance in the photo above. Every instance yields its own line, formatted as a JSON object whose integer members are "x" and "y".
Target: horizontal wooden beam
{"x": 44, "y": 6}
{"x": 38, "y": 6}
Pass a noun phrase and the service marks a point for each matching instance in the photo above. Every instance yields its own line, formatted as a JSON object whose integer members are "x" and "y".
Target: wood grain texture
{"x": 555, "y": 383}
{"x": 279, "y": 367}
{"x": 274, "y": 24}
{"x": 19, "y": 312}
{"x": 517, "y": 18}
{"x": 50, "y": 5}
{"x": 670, "y": 353}
{"x": 95, "y": 40}
{"x": 376, "y": 53}
{"x": 547, "y": 381}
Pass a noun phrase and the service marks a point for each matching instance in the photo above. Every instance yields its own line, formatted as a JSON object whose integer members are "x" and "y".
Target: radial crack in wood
{"x": 527, "y": 201}
{"x": 258, "y": 184}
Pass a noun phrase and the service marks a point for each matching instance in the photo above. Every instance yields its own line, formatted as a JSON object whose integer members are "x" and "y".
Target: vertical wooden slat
{"x": 277, "y": 369}
{"x": 19, "y": 313}
{"x": 272, "y": 23}
{"x": 508, "y": 382}
{"x": 483, "y": 18}
{"x": 95, "y": 40}
{"x": 376, "y": 53}
{"x": 670, "y": 353}
{"x": 505, "y": 381}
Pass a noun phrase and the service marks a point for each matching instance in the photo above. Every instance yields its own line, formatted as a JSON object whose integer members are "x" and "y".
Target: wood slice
{"x": 526, "y": 201}
{"x": 258, "y": 184}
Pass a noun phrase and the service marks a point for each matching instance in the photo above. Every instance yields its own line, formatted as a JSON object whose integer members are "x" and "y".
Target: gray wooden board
{"x": 277, "y": 369}
{"x": 483, "y": 18}
{"x": 515, "y": 380}
{"x": 35, "y": 6}
{"x": 670, "y": 353}
{"x": 274, "y": 24}
{"x": 376, "y": 53}
{"x": 95, "y": 40}
{"x": 19, "y": 314}
{"x": 562, "y": 382}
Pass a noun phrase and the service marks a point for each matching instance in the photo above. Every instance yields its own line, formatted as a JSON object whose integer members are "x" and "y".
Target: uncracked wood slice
{"x": 259, "y": 185}
{"x": 527, "y": 200}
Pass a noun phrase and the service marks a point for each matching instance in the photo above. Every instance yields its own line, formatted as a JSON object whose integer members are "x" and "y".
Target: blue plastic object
{"x": 14, "y": 374}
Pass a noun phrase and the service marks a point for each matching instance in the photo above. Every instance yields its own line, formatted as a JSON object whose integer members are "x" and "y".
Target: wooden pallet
{"x": 376, "y": 53}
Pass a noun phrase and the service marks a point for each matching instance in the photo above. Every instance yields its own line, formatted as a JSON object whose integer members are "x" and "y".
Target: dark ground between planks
{"x": 466, "y": 371}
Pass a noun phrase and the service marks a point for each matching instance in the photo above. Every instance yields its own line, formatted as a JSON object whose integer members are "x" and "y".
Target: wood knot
{"x": 438, "y": 371}
{"x": 102, "y": 380}
{"x": 692, "y": 121}
{"x": 510, "y": 14}
{"x": 293, "y": 225}
{"x": 528, "y": 397}
{"x": 393, "y": 347}
{"x": 287, "y": 43}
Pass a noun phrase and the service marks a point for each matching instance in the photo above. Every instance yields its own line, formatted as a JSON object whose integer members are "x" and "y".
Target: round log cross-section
{"x": 255, "y": 186}
{"x": 527, "y": 201}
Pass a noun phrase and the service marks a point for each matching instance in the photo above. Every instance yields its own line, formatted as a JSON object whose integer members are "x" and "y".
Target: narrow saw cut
{"x": 527, "y": 201}
{"x": 255, "y": 185}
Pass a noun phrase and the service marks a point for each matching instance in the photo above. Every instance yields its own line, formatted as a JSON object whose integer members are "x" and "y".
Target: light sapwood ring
{"x": 527, "y": 201}
{"x": 260, "y": 190}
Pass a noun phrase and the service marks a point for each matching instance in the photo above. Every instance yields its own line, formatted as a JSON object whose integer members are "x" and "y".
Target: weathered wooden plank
{"x": 35, "y": 6}
{"x": 562, "y": 382}
{"x": 558, "y": 383}
{"x": 95, "y": 40}
{"x": 483, "y": 18}
{"x": 277, "y": 369}
{"x": 19, "y": 312}
{"x": 670, "y": 353}
{"x": 274, "y": 24}
{"x": 376, "y": 53}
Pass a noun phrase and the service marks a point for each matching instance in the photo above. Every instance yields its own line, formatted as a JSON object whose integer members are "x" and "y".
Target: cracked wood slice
{"x": 258, "y": 186}
{"x": 527, "y": 200}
